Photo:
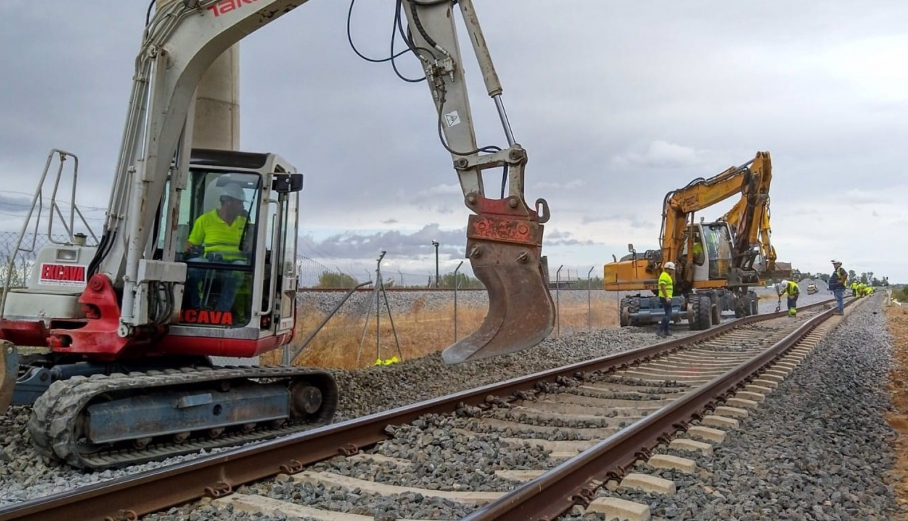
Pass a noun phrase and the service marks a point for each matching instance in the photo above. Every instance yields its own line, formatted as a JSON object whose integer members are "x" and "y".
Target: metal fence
{"x": 23, "y": 260}
{"x": 311, "y": 273}
{"x": 580, "y": 303}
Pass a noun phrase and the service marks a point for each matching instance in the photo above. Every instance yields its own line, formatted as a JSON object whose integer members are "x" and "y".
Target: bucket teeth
{"x": 521, "y": 312}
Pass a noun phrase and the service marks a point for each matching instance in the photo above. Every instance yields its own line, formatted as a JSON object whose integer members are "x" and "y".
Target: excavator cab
{"x": 218, "y": 220}
{"x": 717, "y": 247}
{"x": 235, "y": 229}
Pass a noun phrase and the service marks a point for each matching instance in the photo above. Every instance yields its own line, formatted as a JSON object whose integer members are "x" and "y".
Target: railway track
{"x": 529, "y": 448}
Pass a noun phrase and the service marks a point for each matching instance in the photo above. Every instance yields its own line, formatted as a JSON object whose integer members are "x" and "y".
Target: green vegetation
{"x": 900, "y": 294}
{"x": 331, "y": 279}
{"x": 463, "y": 281}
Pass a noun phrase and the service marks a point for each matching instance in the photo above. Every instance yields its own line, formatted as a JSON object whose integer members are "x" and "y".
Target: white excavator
{"x": 131, "y": 323}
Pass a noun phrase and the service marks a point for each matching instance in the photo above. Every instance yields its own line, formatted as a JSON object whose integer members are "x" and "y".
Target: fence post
{"x": 456, "y": 284}
{"x": 558, "y": 301}
{"x": 589, "y": 299}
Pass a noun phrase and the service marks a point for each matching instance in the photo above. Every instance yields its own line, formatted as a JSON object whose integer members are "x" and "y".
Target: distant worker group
{"x": 859, "y": 289}
{"x": 838, "y": 283}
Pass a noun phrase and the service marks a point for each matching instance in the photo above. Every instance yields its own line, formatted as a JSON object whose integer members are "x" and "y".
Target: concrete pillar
{"x": 217, "y": 110}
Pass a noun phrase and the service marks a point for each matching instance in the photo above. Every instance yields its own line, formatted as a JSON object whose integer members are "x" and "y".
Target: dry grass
{"x": 419, "y": 331}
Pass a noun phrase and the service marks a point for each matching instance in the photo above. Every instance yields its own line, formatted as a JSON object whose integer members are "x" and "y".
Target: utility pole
{"x": 217, "y": 104}
{"x": 435, "y": 243}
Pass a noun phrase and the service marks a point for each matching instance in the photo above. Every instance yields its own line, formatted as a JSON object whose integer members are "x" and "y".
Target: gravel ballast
{"x": 24, "y": 475}
{"x": 818, "y": 447}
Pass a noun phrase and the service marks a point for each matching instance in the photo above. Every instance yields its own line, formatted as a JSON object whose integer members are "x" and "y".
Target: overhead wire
{"x": 408, "y": 40}
{"x": 398, "y": 28}
{"x": 363, "y": 56}
{"x": 148, "y": 13}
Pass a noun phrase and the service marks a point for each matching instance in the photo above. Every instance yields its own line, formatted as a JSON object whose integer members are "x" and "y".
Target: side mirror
{"x": 286, "y": 183}
{"x": 630, "y": 247}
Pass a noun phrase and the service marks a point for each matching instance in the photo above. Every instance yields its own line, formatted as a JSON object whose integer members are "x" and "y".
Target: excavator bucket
{"x": 780, "y": 270}
{"x": 505, "y": 255}
{"x": 9, "y": 370}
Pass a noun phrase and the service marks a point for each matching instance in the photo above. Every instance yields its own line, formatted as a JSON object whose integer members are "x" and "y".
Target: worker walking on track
{"x": 666, "y": 289}
{"x": 791, "y": 289}
{"x": 837, "y": 285}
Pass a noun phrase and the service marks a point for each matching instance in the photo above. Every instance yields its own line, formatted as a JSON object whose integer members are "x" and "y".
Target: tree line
{"x": 333, "y": 279}
{"x": 866, "y": 277}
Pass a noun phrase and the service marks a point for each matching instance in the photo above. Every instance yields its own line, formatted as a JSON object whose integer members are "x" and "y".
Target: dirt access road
{"x": 897, "y": 318}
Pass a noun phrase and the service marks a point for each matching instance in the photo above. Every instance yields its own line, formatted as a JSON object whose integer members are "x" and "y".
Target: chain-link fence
{"x": 23, "y": 261}
{"x": 425, "y": 321}
{"x": 311, "y": 273}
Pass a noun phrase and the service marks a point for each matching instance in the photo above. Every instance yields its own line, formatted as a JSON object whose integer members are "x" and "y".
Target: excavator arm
{"x": 504, "y": 236}
{"x": 179, "y": 45}
{"x": 749, "y": 217}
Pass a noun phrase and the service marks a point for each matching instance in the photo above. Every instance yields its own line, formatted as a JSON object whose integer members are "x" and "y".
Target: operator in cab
{"x": 217, "y": 236}
{"x": 790, "y": 288}
{"x": 666, "y": 289}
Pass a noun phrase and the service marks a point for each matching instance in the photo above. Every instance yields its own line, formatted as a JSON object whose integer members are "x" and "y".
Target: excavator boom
{"x": 504, "y": 237}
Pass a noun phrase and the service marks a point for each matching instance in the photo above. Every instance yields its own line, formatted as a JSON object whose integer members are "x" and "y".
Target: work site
{"x": 597, "y": 272}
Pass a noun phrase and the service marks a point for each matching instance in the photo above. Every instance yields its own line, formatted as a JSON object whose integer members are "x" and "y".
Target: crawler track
{"x": 615, "y": 409}
{"x": 58, "y": 436}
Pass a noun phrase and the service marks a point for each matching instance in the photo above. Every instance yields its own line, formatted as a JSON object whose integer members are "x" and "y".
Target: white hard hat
{"x": 669, "y": 265}
{"x": 783, "y": 283}
{"x": 234, "y": 191}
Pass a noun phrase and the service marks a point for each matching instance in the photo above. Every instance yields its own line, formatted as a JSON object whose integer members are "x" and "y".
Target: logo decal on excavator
{"x": 225, "y": 6}
{"x": 204, "y": 316}
{"x": 62, "y": 275}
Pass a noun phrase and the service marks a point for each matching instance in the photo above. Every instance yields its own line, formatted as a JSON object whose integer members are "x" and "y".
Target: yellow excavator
{"x": 717, "y": 263}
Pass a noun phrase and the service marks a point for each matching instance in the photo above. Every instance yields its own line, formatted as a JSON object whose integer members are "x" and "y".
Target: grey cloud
{"x": 568, "y": 242}
{"x": 12, "y": 203}
{"x": 354, "y": 246}
{"x": 564, "y": 238}
{"x": 574, "y": 183}
{"x": 615, "y": 103}
{"x": 633, "y": 220}
{"x": 660, "y": 154}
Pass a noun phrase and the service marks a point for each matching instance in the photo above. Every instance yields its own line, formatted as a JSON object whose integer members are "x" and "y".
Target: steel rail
{"x": 131, "y": 496}
{"x": 575, "y": 481}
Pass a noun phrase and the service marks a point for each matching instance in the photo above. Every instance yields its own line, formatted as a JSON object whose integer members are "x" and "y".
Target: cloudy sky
{"x": 616, "y": 103}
